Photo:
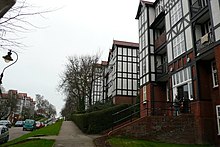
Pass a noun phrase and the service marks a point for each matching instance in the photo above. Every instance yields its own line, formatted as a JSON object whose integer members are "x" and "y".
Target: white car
{"x": 6, "y": 123}
{"x": 4, "y": 134}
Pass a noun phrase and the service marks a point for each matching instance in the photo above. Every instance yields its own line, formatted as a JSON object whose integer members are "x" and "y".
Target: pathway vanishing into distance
{"x": 71, "y": 136}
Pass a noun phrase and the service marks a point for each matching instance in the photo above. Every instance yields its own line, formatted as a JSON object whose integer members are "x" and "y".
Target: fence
{"x": 157, "y": 108}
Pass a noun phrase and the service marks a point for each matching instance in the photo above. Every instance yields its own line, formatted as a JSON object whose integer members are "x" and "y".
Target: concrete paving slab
{"x": 71, "y": 136}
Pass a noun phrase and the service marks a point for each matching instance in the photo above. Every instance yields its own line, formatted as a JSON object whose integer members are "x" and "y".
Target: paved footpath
{"x": 71, "y": 136}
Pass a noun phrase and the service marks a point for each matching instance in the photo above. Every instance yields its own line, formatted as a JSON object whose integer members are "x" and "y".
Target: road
{"x": 15, "y": 132}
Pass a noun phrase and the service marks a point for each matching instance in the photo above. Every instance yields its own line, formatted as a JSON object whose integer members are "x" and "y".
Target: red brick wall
{"x": 170, "y": 129}
{"x": 156, "y": 93}
{"x": 216, "y": 99}
{"x": 124, "y": 100}
{"x": 144, "y": 106}
{"x": 204, "y": 69}
{"x": 203, "y": 112}
{"x": 217, "y": 59}
{"x": 182, "y": 61}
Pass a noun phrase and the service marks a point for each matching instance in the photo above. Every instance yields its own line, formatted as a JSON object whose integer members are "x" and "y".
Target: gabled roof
{"x": 125, "y": 43}
{"x": 21, "y": 95}
{"x": 121, "y": 43}
{"x": 11, "y": 91}
{"x": 4, "y": 95}
{"x": 141, "y": 4}
{"x": 104, "y": 63}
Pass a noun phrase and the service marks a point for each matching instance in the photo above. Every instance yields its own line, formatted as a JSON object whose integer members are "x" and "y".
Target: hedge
{"x": 98, "y": 121}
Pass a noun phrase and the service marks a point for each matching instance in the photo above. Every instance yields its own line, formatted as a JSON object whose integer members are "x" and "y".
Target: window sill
{"x": 215, "y": 86}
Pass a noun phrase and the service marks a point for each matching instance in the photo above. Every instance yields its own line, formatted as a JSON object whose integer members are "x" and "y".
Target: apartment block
{"x": 180, "y": 58}
{"x": 98, "y": 83}
{"x": 22, "y": 100}
{"x": 122, "y": 75}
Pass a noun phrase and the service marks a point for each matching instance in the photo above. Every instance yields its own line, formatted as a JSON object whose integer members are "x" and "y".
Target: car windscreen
{"x": 29, "y": 121}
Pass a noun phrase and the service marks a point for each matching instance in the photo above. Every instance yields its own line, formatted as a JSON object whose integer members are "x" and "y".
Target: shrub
{"x": 98, "y": 121}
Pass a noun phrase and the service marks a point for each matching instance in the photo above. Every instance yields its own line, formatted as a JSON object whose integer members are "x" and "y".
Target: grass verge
{"x": 46, "y": 131}
{"x": 35, "y": 143}
{"x": 124, "y": 142}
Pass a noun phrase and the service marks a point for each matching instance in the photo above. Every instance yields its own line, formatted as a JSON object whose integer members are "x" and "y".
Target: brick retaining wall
{"x": 179, "y": 129}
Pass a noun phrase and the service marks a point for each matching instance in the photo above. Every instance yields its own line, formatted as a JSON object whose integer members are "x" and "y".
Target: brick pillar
{"x": 205, "y": 128}
{"x": 156, "y": 98}
{"x": 145, "y": 106}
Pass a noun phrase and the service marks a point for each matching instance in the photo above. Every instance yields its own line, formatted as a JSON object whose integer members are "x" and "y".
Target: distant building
{"x": 22, "y": 101}
{"x": 122, "y": 79}
{"x": 98, "y": 83}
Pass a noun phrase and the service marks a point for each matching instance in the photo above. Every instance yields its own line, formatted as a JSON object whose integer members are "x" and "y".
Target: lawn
{"x": 35, "y": 143}
{"x": 124, "y": 142}
{"x": 46, "y": 131}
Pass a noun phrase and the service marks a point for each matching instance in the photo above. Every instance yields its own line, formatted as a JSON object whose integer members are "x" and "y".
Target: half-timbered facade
{"x": 104, "y": 80}
{"x": 180, "y": 58}
{"x": 98, "y": 83}
{"x": 123, "y": 72}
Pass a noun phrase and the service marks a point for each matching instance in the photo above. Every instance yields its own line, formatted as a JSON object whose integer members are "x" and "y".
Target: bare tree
{"x": 15, "y": 22}
{"x": 39, "y": 101}
{"x": 26, "y": 113}
{"x": 51, "y": 110}
{"x": 76, "y": 81}
{"x": 44, "y": 106}
{"x": 8, "y": 105}
{"x": 4, "y": 110}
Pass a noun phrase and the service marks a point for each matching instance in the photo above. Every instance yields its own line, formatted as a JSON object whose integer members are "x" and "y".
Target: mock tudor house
{"x": 122, "y": 82}
{"x": 104, "y": 81}
{"x": 179, "y": 45}
{"x": 98, "y": 83}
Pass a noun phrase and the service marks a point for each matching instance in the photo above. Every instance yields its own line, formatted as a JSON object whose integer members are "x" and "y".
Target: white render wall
{"x": 215, "y": 9}
{"x": 152, "y": 15}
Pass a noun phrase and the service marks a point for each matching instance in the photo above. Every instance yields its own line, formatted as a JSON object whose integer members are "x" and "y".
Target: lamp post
{"x": 8, "y": 58}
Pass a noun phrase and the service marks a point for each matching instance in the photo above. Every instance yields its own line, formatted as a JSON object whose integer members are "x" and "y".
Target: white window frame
{"x": 159, "y": 7}
{"x": 176, "y": 13}
{"x": 218, "y": 117}
{"x": 214, "y": 74}
{"x": 186, "y": 79}
{"x": 144, "y": 68}
{"x": 178, "y": 45}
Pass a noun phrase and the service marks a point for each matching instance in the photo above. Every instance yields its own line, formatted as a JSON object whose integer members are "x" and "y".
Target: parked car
{"x": 4, "y": 134}
{"x": 19, "y": 123}
{"x": 42, "y": 123}
{"x": 29, "y": 124}
{"x": 38, "y": 125}
{"x": 6, "y": 123}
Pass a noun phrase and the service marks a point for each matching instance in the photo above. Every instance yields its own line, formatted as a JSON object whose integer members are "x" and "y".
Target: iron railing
{"x": 162, "y": 69}
{"x": 204, "y": 41}
{"x": 152, "y": 108}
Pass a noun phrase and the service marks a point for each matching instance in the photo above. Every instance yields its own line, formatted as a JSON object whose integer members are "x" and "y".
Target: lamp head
{"x": 8, "y": 57}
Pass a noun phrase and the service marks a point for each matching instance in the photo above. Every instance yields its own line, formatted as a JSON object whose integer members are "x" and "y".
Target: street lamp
{"x": 8, "y": 59}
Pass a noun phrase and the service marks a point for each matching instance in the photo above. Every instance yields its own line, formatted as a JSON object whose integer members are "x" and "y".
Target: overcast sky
{"x": 79, "y": 27}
